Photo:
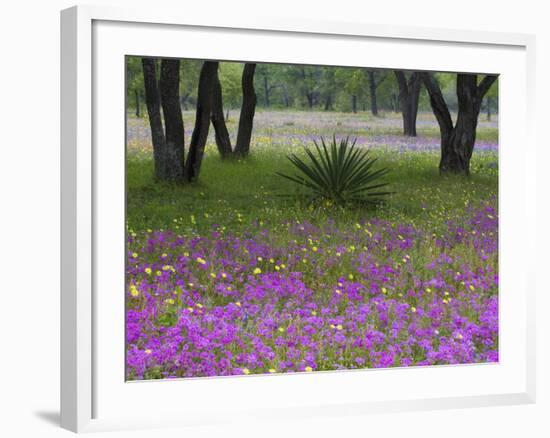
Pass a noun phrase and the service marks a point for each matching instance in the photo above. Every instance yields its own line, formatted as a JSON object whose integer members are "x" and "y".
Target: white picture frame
{"x": 94, "y": 395}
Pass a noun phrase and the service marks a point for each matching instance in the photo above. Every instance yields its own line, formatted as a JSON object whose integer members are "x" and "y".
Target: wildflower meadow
{"x": 236, "y": 274}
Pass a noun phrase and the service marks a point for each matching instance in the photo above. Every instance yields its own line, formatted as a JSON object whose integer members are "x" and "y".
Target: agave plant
{"x": 339, "y": 172}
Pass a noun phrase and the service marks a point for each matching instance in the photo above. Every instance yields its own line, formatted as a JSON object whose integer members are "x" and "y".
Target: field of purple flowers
{"x": 227, "y": 278}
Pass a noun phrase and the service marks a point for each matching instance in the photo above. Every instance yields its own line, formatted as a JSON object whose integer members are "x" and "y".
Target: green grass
{"x": 247, "y": 193}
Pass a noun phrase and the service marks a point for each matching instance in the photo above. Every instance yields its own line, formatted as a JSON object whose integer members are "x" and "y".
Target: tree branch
{"x": 485, "y": 84}
{"x": 439, "y": 106}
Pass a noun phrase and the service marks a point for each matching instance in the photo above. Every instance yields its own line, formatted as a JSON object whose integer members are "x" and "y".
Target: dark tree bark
{"x": 138, "y": 103}
{"x": 409, "y": 93}
{"x": 152, "y": 101}
{"x": 223, "y": 140}
{"x": 354, "y": 103}
{"x": 248, "y": 108}
{"x": 457, "y": 142}
{"x": 266, "y": 91}
{"x": 328, "y": 102}
{"x": 202, "y": 120}
{"x": 184, "y": 100}
{"x": 173, "y": 121}
{"x": 285, "y": 95}
{"x": 168, "y": 141}
{"x": 372, "y": 90}
{"x": 309, "y": 97}
{"x": 394, "y": 101}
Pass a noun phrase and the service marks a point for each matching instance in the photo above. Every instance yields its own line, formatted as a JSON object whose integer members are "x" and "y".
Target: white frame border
{"x": 77, "y": 196}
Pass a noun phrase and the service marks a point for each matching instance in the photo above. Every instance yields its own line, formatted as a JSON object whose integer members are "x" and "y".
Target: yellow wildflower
{"x": 133, "y": 290}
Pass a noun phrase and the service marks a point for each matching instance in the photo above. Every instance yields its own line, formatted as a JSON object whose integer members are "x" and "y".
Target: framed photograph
{"x": 287, "y": 218}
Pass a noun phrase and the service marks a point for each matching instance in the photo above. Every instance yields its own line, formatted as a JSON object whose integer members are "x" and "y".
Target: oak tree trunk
{"x": 266, "y": 92}
{"x": 309, "y": 97}
{"x": 248, "y": 108}
{"x": 138, "y": 104}
{"x": 152, "y": 101}
{"x": 223, "y": 141}
{"x": 458, "y": 140}
{"x": 285, "y": 96}
{"x": 173, "y": 121}
{"x": 328, "y": 103}
{"x": 372, "y": 90}
{"x": 409, "y": 93}
{"x": 202, "y": 120}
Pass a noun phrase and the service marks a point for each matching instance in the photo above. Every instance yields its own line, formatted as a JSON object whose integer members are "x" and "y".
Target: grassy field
{"x": 233, "y": 193}
{"x": 229, "y": 276}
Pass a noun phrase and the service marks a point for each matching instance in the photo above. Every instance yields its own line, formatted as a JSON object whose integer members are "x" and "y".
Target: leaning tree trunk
{"x": 457, "y": 142}
{"x": 372, "y": 90}
{"x": 170, "y": 100}
{"x": 152, "y": 101}
{"x": 223, "y": 140}
{"x": 409, "y": 93}
{"x": 202, "y": 120}
{"x": 248, "y": 108}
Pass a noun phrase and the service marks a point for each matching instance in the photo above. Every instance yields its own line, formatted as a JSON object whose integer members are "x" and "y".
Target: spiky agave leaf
{"x": 339, "y": 171}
